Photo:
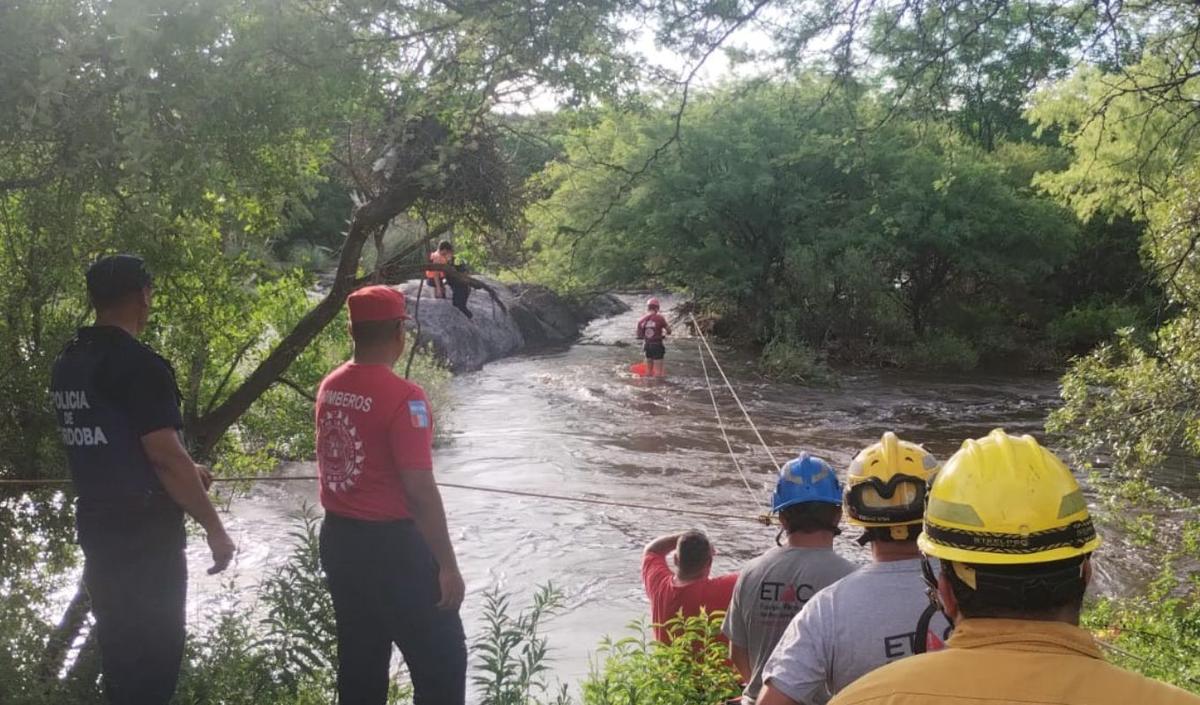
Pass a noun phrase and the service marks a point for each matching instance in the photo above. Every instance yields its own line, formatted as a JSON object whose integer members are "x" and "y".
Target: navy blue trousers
{"x": 384, "y": 584}
{"x": 135, "y": 572}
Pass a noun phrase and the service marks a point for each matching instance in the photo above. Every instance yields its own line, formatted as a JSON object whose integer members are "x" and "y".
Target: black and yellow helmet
{"x": 1006, "y": 500}
{"x": 886, "y": 483}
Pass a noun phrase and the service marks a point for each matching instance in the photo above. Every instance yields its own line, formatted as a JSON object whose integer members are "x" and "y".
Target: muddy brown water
{"x": 574, "y": 421}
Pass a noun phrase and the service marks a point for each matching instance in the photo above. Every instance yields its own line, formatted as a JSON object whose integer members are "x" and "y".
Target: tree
{"x": 804, "y": 229}
{"x": 194, "y": 135}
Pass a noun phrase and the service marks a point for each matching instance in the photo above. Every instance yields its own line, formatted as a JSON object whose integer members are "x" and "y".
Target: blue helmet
{"x": 806, "y": 479}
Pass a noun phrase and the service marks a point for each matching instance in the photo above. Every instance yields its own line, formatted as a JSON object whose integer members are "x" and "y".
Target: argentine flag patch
{"x": 418, "y": 411}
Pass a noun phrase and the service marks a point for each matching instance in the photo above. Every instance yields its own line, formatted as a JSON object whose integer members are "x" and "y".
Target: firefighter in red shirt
{"x": 384, "y": 544}
{"x": 689, "y": 588}
{"x": 652, "y": 329}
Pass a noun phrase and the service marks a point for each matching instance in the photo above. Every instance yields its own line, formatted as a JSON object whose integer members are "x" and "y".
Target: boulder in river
{"x": 526, "y": 317}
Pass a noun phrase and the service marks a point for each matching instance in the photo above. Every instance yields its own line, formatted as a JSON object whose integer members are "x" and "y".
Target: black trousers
{"x": 135, "y": 571}
{"x": 384, "y": 583}
{"x": 458, "y": 297}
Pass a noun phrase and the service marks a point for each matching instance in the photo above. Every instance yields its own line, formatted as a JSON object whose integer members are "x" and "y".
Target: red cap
{"x": 376, "y": 303}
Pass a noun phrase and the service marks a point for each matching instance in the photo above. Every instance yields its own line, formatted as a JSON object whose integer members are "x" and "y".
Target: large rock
{"x": 549, "y": 319}
{"x": 601, "y": 306}
{"x": 532, "y": 316}
{"x": 464, "y": 343}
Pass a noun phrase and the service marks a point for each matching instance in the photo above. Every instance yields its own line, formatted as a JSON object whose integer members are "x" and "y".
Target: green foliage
{"x": 809, "y": 229}
{"x": 637, "y": 670}
{"x": 225, "y": 664}
{"x": 290, "y": 657}
{"x": 299, "y": 625}
{"x": 942, "y": 351}
{"x": 795, "y": 362}
{"x": 1157, "y": 635}
{"x": 1090, "y": 324}
{"x": 511, "y": 653}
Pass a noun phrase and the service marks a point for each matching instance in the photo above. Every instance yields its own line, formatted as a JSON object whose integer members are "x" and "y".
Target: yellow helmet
{"x": 885, "y": 486}
{"x": 1005, "y": 499}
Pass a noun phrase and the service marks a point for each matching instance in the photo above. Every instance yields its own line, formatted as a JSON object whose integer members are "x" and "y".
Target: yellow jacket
{"x": 993, "y": 661}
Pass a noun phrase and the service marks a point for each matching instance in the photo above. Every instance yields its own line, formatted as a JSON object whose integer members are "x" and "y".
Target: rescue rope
{"x": 763, "y": 519}
{"x": 721, "y": 425}
{"x": 733, "y": 392}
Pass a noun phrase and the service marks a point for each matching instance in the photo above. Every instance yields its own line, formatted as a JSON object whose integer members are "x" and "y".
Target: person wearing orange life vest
{"x": 880, "y": 612}
{"x": 384, "y": 544}
{"x": 652, "y": 330}
{"x": 444, "y": 254}
{"x": 1010, "y": 528}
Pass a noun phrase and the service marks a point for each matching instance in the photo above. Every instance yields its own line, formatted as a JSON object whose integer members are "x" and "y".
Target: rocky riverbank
{"x": 522, "y": 318}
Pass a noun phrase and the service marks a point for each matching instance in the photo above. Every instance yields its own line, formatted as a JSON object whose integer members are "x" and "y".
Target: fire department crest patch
{"x": 339, "y": 450}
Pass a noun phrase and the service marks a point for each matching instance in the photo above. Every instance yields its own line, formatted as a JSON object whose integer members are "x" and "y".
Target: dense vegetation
{"x": 905, "y": 244}
{"x": 885, "y": 182}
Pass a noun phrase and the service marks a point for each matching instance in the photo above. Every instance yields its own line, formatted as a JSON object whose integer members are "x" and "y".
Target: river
{"x": 575, "y": 422}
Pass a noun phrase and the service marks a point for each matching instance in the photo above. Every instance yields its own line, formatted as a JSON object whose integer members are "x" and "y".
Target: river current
{"x": 575, "y": 422}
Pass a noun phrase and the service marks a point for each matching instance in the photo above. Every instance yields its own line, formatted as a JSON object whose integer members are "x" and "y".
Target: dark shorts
{"x": 654, "y": 351}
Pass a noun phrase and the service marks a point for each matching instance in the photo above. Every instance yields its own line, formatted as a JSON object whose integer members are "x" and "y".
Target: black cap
{"x": 114, "y": 276}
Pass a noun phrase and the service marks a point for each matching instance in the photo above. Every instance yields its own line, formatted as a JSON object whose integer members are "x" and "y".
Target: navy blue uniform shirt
{"x": 108, "y": 391}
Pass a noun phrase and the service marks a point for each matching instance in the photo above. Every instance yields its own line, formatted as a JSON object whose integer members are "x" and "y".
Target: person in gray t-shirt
{"x": 772, "y": 588}
{"x": 881, "y": 612}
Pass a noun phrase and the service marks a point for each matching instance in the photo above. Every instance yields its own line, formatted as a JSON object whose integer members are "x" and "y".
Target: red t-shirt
{"x": 668, "y": 597}
{"x": 652, "y": 328}
{"x": 371, "y": 426}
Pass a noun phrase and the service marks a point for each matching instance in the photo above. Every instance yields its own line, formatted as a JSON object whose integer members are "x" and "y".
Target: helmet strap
{"x": 931, "y": 591}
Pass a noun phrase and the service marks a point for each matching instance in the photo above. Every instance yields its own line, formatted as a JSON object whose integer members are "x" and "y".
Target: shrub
{"x": 1157, "y": 635}
{"x": 1084, "y": 327}
{"x": 795, "y": 362}
{"x": 941, "y": 351}
{"x": 637, "y": 670}
{"x": 511, "y": 652}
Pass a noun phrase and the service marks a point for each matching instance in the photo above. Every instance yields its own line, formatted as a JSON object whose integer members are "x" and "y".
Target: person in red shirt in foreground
{"x": 384, "y": 544}
{"x": 690, "y": 589}
{"x": 652, "y": 329}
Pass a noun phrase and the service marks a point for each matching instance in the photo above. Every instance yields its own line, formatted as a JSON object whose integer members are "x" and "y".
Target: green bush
{"x": 638, "y": 670}
{"x": 795, "y": 362}
{"x": 1084, "y": 327}
{"x": 290, "y": 659}
{"x": 512, "y": 653}
{"x": 941, "y": 351}
{"x": 1157, "y": 635}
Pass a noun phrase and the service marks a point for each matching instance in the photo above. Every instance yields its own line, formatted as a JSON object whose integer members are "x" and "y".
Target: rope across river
{"x": 701, "y": 348}
{"x": 452, "y": 485}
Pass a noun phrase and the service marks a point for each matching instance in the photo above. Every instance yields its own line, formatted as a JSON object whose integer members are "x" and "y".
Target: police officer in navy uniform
{"x": 118, "y": 413}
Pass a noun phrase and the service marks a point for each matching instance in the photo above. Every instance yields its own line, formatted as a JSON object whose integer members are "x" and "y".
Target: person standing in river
{"x": 775, "y": 586}
{"x": 652, "y": 330}
{"x": 118, "y": 413}
{"x": 384, "y": 544}
{"x": 878, "y": 614}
